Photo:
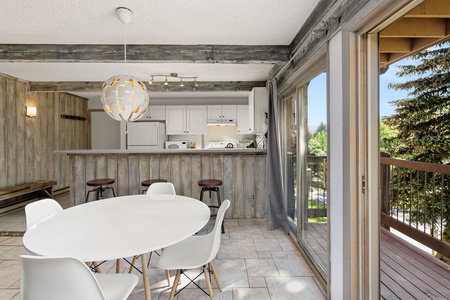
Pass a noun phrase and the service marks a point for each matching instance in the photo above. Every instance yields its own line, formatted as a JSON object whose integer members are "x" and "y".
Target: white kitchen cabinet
{"x": 221, "y": 112}
{"x": 185, "y": 119}
{"x": 258, "y": 106}
{"x": 155, "y": 113}
{"x": 242, "y": 126}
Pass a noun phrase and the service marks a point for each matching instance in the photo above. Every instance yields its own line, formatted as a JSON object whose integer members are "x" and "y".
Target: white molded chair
{"x": 68, "y": 278}
{"x": 157, "y": 188}
{"x": 162, "y": 188}
{"x": 197, "y": 251}
{"x": 41, "y": 210}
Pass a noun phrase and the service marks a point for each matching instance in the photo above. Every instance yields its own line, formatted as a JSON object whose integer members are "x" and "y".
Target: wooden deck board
{"x": 406, "y": 272}
{"x": 407, "y": 266}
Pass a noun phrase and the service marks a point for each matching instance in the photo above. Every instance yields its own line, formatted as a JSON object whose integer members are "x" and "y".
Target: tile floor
{"x": 253, "y": 263}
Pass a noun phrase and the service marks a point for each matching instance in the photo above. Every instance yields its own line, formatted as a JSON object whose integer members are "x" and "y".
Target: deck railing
{"x": 317, "y": 186}
{"x": 415, "y": 200}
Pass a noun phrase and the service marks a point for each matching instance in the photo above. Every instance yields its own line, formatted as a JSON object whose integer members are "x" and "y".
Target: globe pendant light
{"x": 124, "y": 97}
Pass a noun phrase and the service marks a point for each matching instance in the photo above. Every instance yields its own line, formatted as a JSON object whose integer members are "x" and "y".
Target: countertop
{"x": 167, "y": 151}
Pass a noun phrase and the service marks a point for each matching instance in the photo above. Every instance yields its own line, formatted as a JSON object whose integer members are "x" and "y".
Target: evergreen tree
{"x": 422, "y": 121}
{"x": 421, "y": 126}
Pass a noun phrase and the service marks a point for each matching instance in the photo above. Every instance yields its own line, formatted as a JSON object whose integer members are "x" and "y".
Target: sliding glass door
{"x": 304, "y": 148}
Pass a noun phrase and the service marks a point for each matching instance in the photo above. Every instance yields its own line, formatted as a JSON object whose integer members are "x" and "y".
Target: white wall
{"x": 336, "y": 163}
{"x": 104, "y": 131}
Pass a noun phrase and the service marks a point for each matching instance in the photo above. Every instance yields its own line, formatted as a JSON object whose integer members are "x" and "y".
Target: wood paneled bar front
{"x": 243, "y": 172}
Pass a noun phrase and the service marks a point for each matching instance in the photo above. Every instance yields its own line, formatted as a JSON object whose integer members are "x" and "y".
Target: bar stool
{"x": 100, "y": 187}
{"x": 211, "y": 185}
{"x": 147, "y": 183}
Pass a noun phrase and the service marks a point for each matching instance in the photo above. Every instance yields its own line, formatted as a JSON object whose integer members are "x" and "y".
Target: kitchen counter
{"x": 167, "y": 151}
{"x": 242, "y": 171}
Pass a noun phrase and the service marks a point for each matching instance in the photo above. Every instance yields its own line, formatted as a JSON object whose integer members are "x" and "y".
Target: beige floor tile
{"x": 267, "y": 245}
{"x": 264, "y": 254}
{"x": 261, "y": 267}
{"x": 291, "y": 263}
{"x": 245, "y": 232}
{"x": 294, "y": 288}
{"x": 251, "y": 294}
{"x": 286, "y": 242}
{"x": 241, "y": 248}
{"x": 232, "y": 272}
{"x": 257, "y": 282}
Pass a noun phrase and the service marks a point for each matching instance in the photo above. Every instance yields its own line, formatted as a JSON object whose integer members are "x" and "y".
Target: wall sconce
{"x": 31, "y": 111}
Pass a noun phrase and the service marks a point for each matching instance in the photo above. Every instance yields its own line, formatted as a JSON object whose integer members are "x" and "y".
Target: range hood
{"x": 221, "y": 122}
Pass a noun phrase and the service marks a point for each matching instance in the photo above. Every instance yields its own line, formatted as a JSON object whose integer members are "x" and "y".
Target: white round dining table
{"x": 118, "y": 227}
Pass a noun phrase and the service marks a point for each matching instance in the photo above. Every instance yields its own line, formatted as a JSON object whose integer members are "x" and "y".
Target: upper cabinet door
{"x": 221, "y": 112}
{"x": 176, "y": 119}
{"x": 242, "y": 119}
{"x": 156, "y": 113}
{"x": 196, "y": 119}
{"x": 214, "y": 112}
{"x": 229, "y": 112}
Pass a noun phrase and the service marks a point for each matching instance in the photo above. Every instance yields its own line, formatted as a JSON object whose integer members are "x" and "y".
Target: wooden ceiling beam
{"x": 224, "y": 54}
{"x": 401, "y": 45}
{"x": 416, "y": 28}
{"x": 96, "y": 86}
{"x": 431, "y": 9}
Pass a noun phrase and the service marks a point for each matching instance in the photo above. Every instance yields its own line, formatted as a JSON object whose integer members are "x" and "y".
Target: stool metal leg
{"x": 219, "y": 201}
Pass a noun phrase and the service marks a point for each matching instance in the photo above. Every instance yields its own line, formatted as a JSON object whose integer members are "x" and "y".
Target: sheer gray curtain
{"x": 275, "y": 211}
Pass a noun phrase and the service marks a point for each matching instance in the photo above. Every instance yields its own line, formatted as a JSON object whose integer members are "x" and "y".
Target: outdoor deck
{"x": 406, "y": 272}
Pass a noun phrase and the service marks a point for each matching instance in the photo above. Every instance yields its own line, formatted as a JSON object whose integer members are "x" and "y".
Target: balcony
{"x": 414, "y": 201}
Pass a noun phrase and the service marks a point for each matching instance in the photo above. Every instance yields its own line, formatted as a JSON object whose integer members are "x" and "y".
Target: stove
{"x": 222, "y": 145}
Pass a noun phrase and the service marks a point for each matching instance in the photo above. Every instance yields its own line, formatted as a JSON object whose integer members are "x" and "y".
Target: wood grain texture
{"x": 237, "y": 172}
{"x": 225, "y": 54}
{"x": 27, "y": 145}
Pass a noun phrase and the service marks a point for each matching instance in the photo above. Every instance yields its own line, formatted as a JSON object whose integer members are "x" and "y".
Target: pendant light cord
{"x": 125, "y": 49}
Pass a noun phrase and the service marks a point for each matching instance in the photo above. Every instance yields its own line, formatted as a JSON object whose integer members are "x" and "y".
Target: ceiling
{"x": 52, "y": 38}
{"x": 74, "y": 46}
{"x": 426, "y": 25}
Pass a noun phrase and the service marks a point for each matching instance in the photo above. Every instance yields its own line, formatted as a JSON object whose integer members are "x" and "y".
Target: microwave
{"x": 174, "y": 145}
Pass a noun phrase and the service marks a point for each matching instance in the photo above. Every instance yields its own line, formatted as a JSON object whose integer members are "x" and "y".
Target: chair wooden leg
{"x": 132, "y": 263}
{"x": 216, "y": 278}
{"x": 175, "y": 284}
{"x": 118, "y": 265}
{"x": 168, "y": 277}
{"x": 97, "y": 267}
{"x": 208, "y": 283}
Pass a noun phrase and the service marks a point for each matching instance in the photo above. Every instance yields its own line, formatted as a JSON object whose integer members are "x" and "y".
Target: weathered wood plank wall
{"x": 243, "y": 176}
{"x": 27, "y": 145}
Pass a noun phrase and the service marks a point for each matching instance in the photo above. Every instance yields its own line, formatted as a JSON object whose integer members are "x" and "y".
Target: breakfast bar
{"x": 242, "y": 171}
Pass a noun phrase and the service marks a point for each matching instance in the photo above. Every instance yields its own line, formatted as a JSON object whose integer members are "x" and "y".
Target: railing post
{"x": 385, "y": 188}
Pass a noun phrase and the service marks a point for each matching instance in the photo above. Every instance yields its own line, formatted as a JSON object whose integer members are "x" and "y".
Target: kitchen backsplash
{"x": 214, "y": 134}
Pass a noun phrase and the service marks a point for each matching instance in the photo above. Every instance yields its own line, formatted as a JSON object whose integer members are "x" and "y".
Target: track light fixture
{"x": 174, "y": 78}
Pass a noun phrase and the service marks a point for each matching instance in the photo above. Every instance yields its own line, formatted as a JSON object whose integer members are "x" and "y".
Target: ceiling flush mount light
{"x": 124, "y": 97}
{"x": 31, "y": 111}
{"x": 180, "y": 80}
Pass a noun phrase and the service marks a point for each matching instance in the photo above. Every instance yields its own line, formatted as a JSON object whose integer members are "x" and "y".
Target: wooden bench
{"x": 40, "y": 188}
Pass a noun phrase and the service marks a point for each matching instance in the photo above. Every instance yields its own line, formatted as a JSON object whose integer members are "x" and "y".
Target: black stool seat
{"x": 210, "y": 182}
{"x": 149, "y": 182}
{"x": 211, "y": 185}
{"x": 100, "y": 187}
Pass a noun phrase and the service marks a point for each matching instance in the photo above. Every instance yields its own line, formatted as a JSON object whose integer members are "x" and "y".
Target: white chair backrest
{"x": 46, "y": 278}
{"x": 40, "y": 210}
{"x": 161, "y": 188}
{"x": 215, "y": 234}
